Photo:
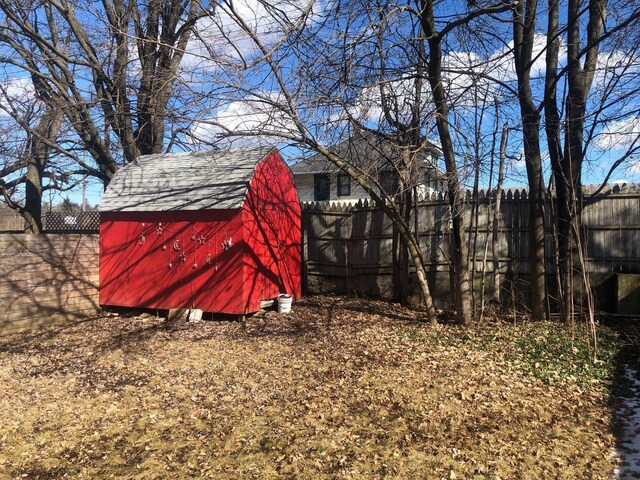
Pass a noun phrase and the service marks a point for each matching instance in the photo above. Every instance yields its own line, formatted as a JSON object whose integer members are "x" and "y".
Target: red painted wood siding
{"x": 272, "y": 221}
{"x": 151, "y": 272}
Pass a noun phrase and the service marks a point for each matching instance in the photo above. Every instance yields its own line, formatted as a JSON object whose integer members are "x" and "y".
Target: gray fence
{"x": 350, "y": 247}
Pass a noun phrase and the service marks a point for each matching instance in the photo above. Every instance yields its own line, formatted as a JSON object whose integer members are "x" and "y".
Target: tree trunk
{"x": 354, "y": 172}
{"x": 38, "y": 156}
{"x": 538, "y": 294}
{"x": 524, "y": 24}
{"x": 496, "y": 215}
{"x": 32, "y": 212}
{"x": 398, "y": 222}
{"x": 456, "y": 197}
{"x": 567, "y": 166}
{"x": 402, "y": 267}
{"x": 552, "y": 128}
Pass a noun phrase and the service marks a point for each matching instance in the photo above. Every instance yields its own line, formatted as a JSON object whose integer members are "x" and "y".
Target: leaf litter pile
{"x": 338, "y": 388}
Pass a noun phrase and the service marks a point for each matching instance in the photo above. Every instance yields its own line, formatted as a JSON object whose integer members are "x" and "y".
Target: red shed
{"x": 218, "y": 231}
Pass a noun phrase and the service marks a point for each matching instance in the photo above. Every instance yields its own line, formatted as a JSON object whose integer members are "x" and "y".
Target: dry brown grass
{"x": 339, "y": 388}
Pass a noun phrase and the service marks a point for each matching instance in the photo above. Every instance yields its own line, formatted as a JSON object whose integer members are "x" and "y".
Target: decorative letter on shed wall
{"x": 218, "y": 231}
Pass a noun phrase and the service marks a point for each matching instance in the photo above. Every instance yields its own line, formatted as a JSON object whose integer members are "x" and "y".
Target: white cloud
{"x": 467, "y": 78}
{"x": 501, "y": 64}
{"x": 218, "y": 41}
{"x": 519, "y": 162}
{"x": 16, "y": 93}
{"x": 619, "y": 134}
{"x": 397, "y": 93}
{"x": 244, "y": 123}
{"x": 463, "y": 81}
{"x": 634, "y": 167}
{"x": 614, "y": 64}
{"x": 221, "y": 40}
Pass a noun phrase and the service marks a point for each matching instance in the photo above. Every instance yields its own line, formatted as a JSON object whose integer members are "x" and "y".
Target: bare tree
{"x": 584, "y": 112}
{"x": 456, "y": 195}
{"x": 32, "y": 125}
{"x": 110, "y": 67}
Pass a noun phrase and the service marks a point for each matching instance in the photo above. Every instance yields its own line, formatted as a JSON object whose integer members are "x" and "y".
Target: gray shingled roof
{"x": 364, "y": 150}
{"x": 183, "y": 181}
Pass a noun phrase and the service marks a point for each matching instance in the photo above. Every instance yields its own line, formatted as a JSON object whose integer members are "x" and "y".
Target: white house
{"x": 318, "y": 179}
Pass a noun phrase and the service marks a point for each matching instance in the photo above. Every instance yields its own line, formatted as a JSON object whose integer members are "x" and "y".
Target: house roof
{"x": 364, "y": 150}
{"x": 183, "y": 181}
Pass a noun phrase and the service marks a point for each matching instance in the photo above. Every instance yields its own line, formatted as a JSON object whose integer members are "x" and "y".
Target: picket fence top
{"x": 510, "y": 193}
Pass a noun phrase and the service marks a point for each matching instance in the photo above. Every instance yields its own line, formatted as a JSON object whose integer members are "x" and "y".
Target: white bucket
{"x": 284, "y": 303}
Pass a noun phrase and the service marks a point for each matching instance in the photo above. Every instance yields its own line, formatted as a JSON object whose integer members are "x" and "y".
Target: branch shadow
{"x": 47, "y": 278}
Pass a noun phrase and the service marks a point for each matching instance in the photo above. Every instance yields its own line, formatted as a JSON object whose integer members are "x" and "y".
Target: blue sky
{"x": 487, "y": 55}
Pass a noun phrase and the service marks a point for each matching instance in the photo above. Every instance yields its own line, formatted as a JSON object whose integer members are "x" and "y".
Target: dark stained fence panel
{"x": 344, "y": 242}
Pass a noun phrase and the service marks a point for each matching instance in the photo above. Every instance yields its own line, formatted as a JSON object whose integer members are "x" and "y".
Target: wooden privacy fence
{"x": 51, "y": 277}
{"x": 47, "y": 278}
{"x": 350, "y": 247}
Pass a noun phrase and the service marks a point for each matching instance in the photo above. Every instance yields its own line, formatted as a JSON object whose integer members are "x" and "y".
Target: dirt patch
{"x": 338, "y": 388}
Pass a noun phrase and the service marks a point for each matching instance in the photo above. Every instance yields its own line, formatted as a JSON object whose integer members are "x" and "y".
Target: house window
{"x": 389, "y": 183}
{"x": 321, "y": 187}
{"x": 344, "y": 185}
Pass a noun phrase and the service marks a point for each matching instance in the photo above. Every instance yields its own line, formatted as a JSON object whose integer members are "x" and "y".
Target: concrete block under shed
{"x": 195, "y": 315}
{"x": 628, "y": 294}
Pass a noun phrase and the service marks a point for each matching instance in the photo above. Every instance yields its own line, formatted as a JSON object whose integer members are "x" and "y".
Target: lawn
{"x": 339, "y": 388}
